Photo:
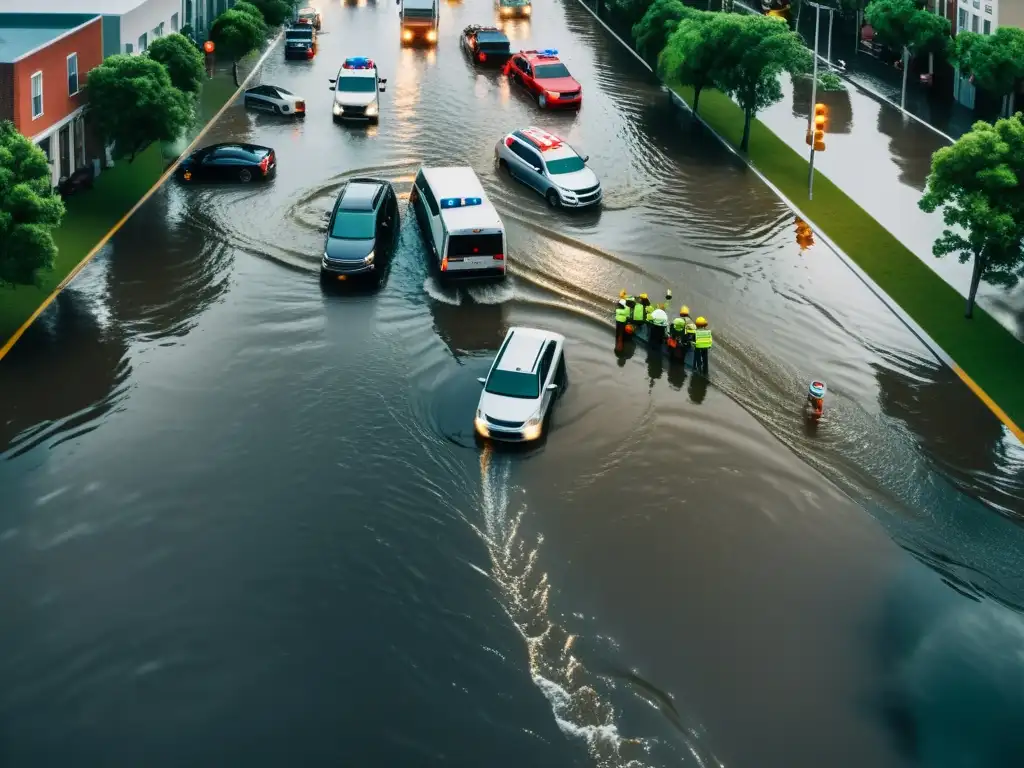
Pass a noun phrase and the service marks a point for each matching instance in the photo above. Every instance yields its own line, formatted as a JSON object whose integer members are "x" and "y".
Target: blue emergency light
{"x": 459, "y": 202}
{"x": 548, "y": 52}
{"x": 359, "y": 62}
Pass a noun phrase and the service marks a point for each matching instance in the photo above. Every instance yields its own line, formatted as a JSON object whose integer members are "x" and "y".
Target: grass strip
{"x": 92, "y": 213}
{"x": 989, "y": 353}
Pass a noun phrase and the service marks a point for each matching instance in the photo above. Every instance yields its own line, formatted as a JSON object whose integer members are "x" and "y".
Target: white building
{"x": 984, "y": 17}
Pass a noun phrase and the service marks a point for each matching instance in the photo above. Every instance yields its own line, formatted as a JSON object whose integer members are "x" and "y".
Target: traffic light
{"x": 820, "y": 126}
{"x": 804, "y": 235}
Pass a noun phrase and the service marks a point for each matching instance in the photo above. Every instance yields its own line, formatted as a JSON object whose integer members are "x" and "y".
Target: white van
{"x": 461, "y": 228}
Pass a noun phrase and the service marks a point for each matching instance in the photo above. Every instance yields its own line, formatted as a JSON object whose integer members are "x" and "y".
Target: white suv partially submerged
{"x": 355, "y": 91}
{"x": 525, "y": 379}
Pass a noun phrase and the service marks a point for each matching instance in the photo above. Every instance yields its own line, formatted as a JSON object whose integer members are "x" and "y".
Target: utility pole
{"x": 814, "y": 96}
{"x": 829, "y": 57}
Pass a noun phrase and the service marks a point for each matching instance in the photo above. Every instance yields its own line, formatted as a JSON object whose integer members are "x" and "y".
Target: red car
{"x": 543, "y": 74}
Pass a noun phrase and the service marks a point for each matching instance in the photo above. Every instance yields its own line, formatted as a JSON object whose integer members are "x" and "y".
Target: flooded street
{"x": 244, "y": 519}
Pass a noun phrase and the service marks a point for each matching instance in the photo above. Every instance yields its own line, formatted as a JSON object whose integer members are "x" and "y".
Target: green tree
{"x": 274, "y": 12}
{"x": 29, "y": 210}
{"x": 651, "y": 33}
{"x": 628, "y": 11}
{"x": 182, "y": 59}
{"x": 236, "y": 33}
{"x": 693, "y": 53}
{"x": 977, "y": 183}
{"x": 248, "y": 8}
{"x": 756, "y": 51}
{"x": 903, "y": 26}
{"x": 996, "y": 62}
{"x": 133, "y": 103}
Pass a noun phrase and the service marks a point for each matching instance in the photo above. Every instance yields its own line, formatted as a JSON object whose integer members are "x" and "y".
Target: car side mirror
{"x": 381, "y": 89}
{"x": 551, "y": 387}
{"x": 332, "y": 80}
{"x": 536, "y": 168}
{"x": 481, "y": 379}
{"x": 586, "y": 158}
{"x": 383, "y": 80}
{"x": 332, "y": 88}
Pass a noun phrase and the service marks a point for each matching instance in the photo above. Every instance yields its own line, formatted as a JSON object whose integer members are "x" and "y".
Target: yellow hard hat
{"x": 622, "y": 293}
{"x": 684, "y": 310}
{"x": 643, "y": 295}
{"x": 701, "y": 321}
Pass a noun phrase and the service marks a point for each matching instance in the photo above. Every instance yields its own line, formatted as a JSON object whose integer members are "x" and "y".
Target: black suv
{"x": 362, "y": 231}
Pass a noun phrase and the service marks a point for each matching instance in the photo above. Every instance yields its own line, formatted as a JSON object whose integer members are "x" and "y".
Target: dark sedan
{"x": 229, "y": 162}
{"x": 486, "y": 45}
{"x": 362, "y": 231}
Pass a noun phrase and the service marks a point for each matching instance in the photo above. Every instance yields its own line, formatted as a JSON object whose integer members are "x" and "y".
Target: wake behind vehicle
{"x": 543, "y": 75}
{"x": 459, "y": 225}
{"x": 229, "y": 162}
{"x": 486, "y": 45}
{"x": 510, "y": 9}
{"x": 310, "y": 16}
{"x": 526, "y": 377}
{"x": 300, "y": 42}
{"x": 549, "y": 166}
{"x": 356, "y": 90}
{"x": 362, "y": 231}
{"x": 419, "y": 20}
{"x": 276, "y": 100}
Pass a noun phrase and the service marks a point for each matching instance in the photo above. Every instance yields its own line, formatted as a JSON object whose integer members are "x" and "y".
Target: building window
{"x": 987, "y": 27}
{"x": 975, "y": 22}
{"x": 961, "y": 22}
{"x": 988, "y": 9}
{"x": 144, "y": 39}
{"x": 158, "y": 31}
{"x": 37, "y": 95}
{"x": 128, "y": 48}
{"x": 174, "y": 22}
{"x": 977, "y": 4}
{"x": 72, "y": 74}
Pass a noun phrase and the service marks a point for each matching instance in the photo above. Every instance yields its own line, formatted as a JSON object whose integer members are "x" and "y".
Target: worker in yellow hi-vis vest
{"x": 701, "y": 346}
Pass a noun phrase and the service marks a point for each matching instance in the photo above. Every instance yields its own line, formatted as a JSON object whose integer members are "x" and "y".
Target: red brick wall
{"x": 87, "y": 42}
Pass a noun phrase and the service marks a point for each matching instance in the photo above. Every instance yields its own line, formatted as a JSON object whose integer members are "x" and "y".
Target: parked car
{"x": 486, "y": 45}
{"x": 229, "y": 162}
{"x": 275, "y": 99}
{"x": 519, "y": 390}
{"x": 362, "y": 231}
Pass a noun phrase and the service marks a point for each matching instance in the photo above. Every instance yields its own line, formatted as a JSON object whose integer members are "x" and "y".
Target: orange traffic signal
{"x": 804, "y": 235}
{"x": 816, "y": 138}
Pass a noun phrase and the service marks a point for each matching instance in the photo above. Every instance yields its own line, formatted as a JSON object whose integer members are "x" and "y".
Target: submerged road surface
{"x": 244, "y": 520}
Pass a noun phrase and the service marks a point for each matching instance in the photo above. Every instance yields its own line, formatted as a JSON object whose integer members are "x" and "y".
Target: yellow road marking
{"x": 9, "y": 344}
{"x": 992, "y": 406}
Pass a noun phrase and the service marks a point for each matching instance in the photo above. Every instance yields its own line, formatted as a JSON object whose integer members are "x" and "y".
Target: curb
{"x": 9, "y": 344}
{"x": 930, "y": 344}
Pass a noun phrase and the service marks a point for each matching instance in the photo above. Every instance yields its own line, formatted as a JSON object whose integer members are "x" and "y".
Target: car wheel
{"x": 245, "y": 175}
{"x": 553, "y": 199}
{"x": 278, "y": 109}
{"x": 503, "y": 165}
{"x": 542, "y": 100}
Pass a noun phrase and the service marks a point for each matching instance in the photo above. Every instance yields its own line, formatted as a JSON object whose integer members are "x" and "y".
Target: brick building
{"x": 44, "y": 61}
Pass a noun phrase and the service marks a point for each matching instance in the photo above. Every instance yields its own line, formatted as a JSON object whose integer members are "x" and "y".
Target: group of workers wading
{"x": 638, "y": 316}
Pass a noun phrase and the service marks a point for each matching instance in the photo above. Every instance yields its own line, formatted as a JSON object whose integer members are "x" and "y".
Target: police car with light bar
{"x": 356, "y": 90}
{"x": 549, "y": 166}
{"x": 460, "y": 227}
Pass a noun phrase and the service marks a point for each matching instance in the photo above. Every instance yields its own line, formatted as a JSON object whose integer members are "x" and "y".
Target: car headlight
{"x": 481, "y": 424}
{"x": 338, "y": 109}
{"x": 369, "y": 259}
{"x": 407, "y": 35}
{"x": 506, "y": 11}
{"x": 527, "y": 10}
{"x": 372, "y": 110}
{"x": 531, "y": 430}
{"x": 552, "y": 94}
{"x": 568, "y": 194}
{"x": 431, "y": 36}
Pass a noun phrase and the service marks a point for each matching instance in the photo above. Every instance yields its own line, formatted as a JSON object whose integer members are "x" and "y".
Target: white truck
{"x": 419, "y": 20}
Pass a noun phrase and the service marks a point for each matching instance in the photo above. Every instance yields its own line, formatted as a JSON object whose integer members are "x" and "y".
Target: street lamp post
{"x": 814, "y": 96}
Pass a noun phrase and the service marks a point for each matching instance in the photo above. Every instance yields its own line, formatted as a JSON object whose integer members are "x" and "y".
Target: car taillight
{"x": 265, "y": 165}
{"x": 509, "y": 141}
{"x": 300, "y": 106}
{"x": 499, "y": 257}
{"x": 309, "y": 52}
{"x": 482, "y": 56}
{"x": 444, "y": 264}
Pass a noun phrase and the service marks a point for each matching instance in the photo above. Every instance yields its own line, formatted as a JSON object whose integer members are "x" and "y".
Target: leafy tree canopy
{"x": 274, "y": 12}
{"x": 29, "y": 210}
{"x": 996, "y": 61}
{"x": 134, "y": 103}
{"x": 236, "y": 33}
{"x": 652, "y": 32}
{"x": 977, "y": 183}
{"x": 757, "y": 50}
{"x": 903, "y": 26}
{"x": 629, "y": 11}
{"x": 248, "y": 8}
{"x": 182, "y": 59}
{"x": 693, "y": 54}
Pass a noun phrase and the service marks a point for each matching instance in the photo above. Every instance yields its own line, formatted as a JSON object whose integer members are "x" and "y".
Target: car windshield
{"x": 565, "y": 165}
{"x": 299, "y": 35}
{"x": 513, "y": 384}
{"x": 283, "y": 91}
{"x": 352, "y": 225}
{"x": 550, "y": 71}
{"x": 357, "y": 84}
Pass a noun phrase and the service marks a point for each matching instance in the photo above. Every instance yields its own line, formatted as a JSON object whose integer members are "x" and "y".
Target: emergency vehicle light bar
{"x": 548, "y": 52}
{"x": 459, "y": 202}
{"x": 359, "y": 62}
{"x": 541, "y": 138}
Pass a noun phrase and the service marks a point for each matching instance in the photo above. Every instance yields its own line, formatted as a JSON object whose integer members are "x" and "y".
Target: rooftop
{"x": 359, "y": 196}
{"x": 22, "y": 33}
{"x": 90, "y": 7}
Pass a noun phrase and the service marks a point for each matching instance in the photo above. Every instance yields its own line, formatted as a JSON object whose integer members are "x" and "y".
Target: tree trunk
{"x": 1013, "y": 97}
{"x": 856, "y": 31}
{"x": 696, "y": 98}
{"x": 906, "y": 70}
{"x": 234, "y": 73}
{"x": 979, "y": 268}
{"x": 1003, "y": 105}
{"x": 748, "y": 115}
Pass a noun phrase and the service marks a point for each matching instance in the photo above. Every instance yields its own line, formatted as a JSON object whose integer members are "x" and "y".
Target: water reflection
{"x": 840, "y": 107}
{"x": 911, "y": 150}
{"x": 468, "y": 326}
